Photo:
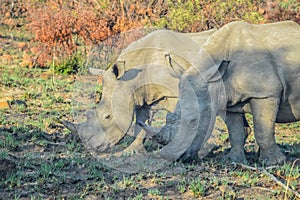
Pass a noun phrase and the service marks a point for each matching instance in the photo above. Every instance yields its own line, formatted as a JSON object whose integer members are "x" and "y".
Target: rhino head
{"x": 109, "y": 122}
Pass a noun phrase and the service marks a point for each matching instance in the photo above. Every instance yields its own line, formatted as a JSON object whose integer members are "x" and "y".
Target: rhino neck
{"x": 122, "y": 106}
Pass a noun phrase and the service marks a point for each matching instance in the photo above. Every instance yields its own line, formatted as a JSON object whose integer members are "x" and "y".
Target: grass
{"x": 53, "y": 163}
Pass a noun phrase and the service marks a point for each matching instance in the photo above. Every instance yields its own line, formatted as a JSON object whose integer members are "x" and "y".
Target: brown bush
{"x": 61, "y": 27}
{"x": 52, "y": 27}
{"x": 281, "y": 10}
{"x": 7, "y": 58}
{"x": 28, "y": 60}
{"x": 13, "y": 8}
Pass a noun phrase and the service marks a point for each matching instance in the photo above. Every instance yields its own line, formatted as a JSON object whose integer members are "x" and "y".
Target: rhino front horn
{"x": 151, "y": 131}
{"x": 72, "y": 127}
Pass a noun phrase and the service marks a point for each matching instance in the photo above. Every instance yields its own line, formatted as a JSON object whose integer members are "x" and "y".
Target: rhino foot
{"x": 271, "y": 156}
{"x": 136, "y": 146}
{"x": 236, "y": 155}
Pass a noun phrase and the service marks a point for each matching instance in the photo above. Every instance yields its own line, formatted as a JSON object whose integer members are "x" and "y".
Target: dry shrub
{"x": 281, "y": 10}
{"x": 60, "y": 27}
{"x": 130, "y": 15}
{"x": 28, "y": 61}
{"x": 7, "y": 58}
{"x": 200, "y": 15}
{"x": 52, "y": 27}
{"x": 12, "y": 8}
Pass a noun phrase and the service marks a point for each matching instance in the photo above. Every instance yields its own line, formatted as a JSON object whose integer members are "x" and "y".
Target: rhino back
{"x": 239, "y": 40}
{"x": 264, "y": 61}
{"x": 153, "y": 48}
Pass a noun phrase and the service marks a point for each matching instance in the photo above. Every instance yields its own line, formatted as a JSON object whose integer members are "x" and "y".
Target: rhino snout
{"x": 96, "y": 143}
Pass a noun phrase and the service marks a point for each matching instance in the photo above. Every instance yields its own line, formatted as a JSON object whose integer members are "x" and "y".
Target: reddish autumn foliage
{"x": 281, "y": 10}
{"x": 61, "y": 27}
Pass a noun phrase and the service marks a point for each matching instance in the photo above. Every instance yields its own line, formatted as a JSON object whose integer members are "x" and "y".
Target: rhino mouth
{"x": 93, "y": 136}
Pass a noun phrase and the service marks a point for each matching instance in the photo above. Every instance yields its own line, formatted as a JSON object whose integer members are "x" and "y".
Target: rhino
{"x": 261, "y": 78}
{"x": 145, "y": 76}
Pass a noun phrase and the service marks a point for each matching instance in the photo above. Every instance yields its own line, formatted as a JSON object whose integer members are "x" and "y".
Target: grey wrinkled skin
{"x": 167, "y": 132}
{"x": 145, "y": 75}
{"x": 262, "y": 78}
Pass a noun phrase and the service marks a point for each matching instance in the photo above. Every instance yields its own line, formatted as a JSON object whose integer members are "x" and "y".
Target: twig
{"x": 248, "y": 167}
{"x": 266, "y": 189}
{"x": 53, "y": 77}
{"x": 263, "y": 170}
{"x": 279, "y": 182}
{"x": 56, "y": 143}
{"x": 288, "y": 179}
{"x": 272, "y": 167}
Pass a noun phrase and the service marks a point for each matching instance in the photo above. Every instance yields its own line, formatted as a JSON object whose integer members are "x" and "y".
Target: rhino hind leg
{"x": 238, "y": 130}
{"x": 264, "y": 115}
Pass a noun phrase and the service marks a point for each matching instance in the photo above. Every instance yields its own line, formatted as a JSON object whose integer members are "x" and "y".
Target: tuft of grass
{"x": 153, "y": 192}
{"x": 198, "y": 187}
{"x": 182, "y": 186}
{"x": 69, "y": 65}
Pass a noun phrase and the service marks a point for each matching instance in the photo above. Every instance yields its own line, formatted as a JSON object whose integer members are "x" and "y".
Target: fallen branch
{"x": 264, "y": 171}
{"x": 55, "y": 143}
{"x": 286, "y": 187}
{"x": 265, "y": 189}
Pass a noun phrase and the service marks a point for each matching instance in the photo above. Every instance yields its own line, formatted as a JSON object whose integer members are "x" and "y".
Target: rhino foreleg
{"x": 264, "y": 115}
{"x": 238, "y": 132}
{"x": 142, "y": 114}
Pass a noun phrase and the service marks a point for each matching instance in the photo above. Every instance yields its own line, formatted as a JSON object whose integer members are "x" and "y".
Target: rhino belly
{"x": 288, "y": 112}
{"x": 289, "y": 108}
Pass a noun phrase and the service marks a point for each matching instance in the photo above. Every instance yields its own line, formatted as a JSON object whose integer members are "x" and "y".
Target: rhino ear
{"x": 178, "y": 70}
{"x": 220, "y": 72}
{"x": 119, "y": 69}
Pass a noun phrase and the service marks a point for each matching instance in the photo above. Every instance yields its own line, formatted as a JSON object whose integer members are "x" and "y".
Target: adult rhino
{"x": 262, "y": 78}
{"x": 141, "y": 78}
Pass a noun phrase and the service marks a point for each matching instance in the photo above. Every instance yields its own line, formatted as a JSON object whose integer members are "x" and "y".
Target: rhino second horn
{"x": 151, "y": 131}
{"x": 72, "y": 127}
